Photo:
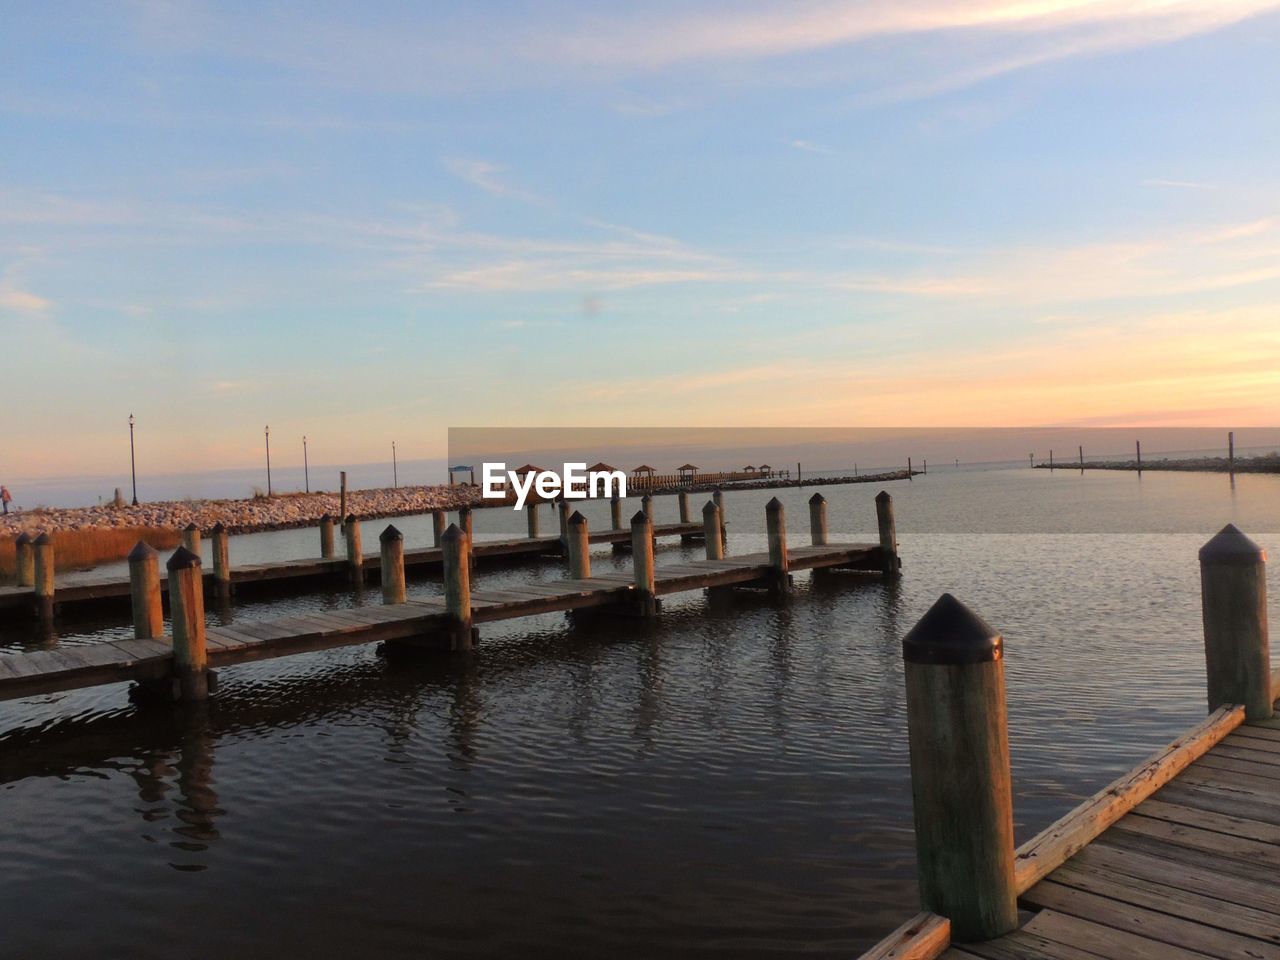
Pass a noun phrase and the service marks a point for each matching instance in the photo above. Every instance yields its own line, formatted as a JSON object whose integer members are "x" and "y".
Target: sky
{"x": 372, "y": 222}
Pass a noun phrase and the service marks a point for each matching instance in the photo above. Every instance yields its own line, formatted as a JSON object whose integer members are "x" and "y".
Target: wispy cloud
{"x": 808, "y": 146}
{"x": 1178, "y": 184}
{"x": 490, "y": 178}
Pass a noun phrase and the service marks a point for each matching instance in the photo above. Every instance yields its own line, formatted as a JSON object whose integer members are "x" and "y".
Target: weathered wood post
{"x": 437, "y": 526}
{"x": 562, "y": 510}
{"x": 718, "y": 497}
{"x": 144, "y": 592}
{"x": 890, "y": 564}
{"x": 775, "y": 521}
{"x": 1082, "y": 456}
{"x": 531, "y": 516}
{"x": 646, "y": 504}
{"x": 342, "y": 498}
{"x": 326, "y": 538}
{"x": 457, "y": 587}
{"x": 910, "y": 472}
{"x": 711, "y": 531}
{"x": 391, "y": 542}
{"x": 221, "y": 560}
{"x": 642, "y": 564}
{"x": 1231, "y": 451}
{"x": 191, "y": 537}
{"x": 615, "y": 513}
{"x": 465, "y": 524}
{"x": 1138, "y": 444}
{"x": 685, "y": 516}
{"x": 186, "y": 604}
{"x": 579, "y": 547}
{"x": 818, "y": 519}
{"x": 42, "y": 548}
{"x": 960, "y": 780}
{"x": 26, "y": 560}
{"x": 1233, "y": 597}
{"x": 355, "y": 551}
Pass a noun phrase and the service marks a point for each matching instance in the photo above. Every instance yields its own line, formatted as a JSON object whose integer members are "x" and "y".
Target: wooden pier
{"x": 1176, "y": 860}
{"x": 436, "y": 624}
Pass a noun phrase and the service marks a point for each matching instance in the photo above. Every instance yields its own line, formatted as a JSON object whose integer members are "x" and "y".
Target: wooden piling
{"x": 457, "y": 587}
{"x": 1139, "y": 448}
{"x": 1233, "y": 596}
{"x": 818, "y": 519}
{"x": 961, "y": 784}
{"x": 342, "y": 497}
{"x": 466, "y": 525}
{"x": 685, "y": 516}
{"x": 579, "y": 547}
{"x": 26, "y": 560}
{"x": 437, "y": 526}
{"x": 144, "y": 592}
{"x": 646, "y": 504}
{"x": 718, "y": 497}
{"x": 42, "y": 549}
{"x": 391, "y": 542}
{"x": 890, "y": 564}
{"x": 775, "y": 520}
{"x": 1231, "y": 451}
{"x": 711, "y": 531}
{"x": 1082, "y": 457}
{"x": 326, "y": 537}
{"x": 191, "y": 538}
{"x": 910, "y": 472}
{"x": 615, "y": 512}
{"x": 531, "y": 516}
{"x": 1050, "y": 459}
{"x": 562, "y": 511}
{"x": 186, "y": 604}
{"x": 642, "y": 565}
{"x": 221, "y": 546}
{"x": 355, "y": 551}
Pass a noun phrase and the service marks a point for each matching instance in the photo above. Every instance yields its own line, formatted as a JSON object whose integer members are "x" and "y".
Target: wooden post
{"x": 437, "y": 527}
{"x": 960, "y": 780}
{"x": 799, "y": 475}
{"x": 355, "y": 552}
{"x": 1050, "y": 459}
{"x": 221, "y": 560}
{"x": 342, "y": 497}
{"x": 642, "y": 564}
{"x": 711, "y": 531}
{"x": 718, "y": 497}
{"x": 579, "y": 547}
{"x": 615, "y": 512}
{"x": 186, "y": 603}
{"x": 26, "y": 560}
{"x": 890, "y": 564}
{"x": 531, "y": 515}
{"x": 924, "y": 464}
{"x": 1081, "y": 456}
{"x": 818, "y": 519}
{"x": 562, "y": 508}
{"x": 1231, "y": 451}
{"x": 1233, "y": 596}
{"x": 391, "y": 542}
{"x": 144, "y": 592}
{"x": 646, "y": 504}
{"x": 685, "y": 516}
{"x": 1139, "y": 446}
{"x": 326, "y": 537}
{"x": 775, "y": 521}
{"x": 910, "y": 472}
{"x": 457, "y": 587}
{"x": 191, "y": 537}
{"x": 465, "y": 524}
{"x": 42, "y": 548}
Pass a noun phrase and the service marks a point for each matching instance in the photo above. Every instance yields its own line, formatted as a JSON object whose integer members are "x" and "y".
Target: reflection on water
{"x": 728, "y": 781}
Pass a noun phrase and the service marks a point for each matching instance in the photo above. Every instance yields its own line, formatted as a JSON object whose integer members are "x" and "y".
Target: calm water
{"x": 730, "y": 781}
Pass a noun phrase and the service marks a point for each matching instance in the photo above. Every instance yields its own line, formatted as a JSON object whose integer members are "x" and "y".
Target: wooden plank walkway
{"x": 64, "y": 668}
{"x": 1177, "y": 860}
{"x": 87, "y": 587}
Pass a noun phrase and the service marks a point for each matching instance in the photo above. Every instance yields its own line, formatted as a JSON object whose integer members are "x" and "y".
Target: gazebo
{"x": 601, "y": 467}
{"x": 527, "y": 469}
{"x": 687, "y": 472}
{"x": 765, "y": 469}
{"x": 748, "y": 469}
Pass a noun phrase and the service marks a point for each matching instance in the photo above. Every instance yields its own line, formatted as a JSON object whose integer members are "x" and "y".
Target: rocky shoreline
{"x": 1267, "y": 464}
{"x": 304, "y": 510}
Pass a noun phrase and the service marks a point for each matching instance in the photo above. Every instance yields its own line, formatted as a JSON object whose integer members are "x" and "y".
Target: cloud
{"x": 808, "y": 146}
{"x": 1178, "y": 184}
{"x": 21, "y": 301}
{"x": 488, "y": 177}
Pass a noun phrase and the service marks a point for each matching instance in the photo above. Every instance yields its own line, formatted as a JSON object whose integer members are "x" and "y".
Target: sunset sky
{"x": 372, "y": 222}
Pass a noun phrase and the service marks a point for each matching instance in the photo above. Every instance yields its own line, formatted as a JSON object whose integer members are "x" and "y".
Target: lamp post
{"x": 306, "y": 469}
{"x": 266, "y": 432}
{"x": 395, "y": 474}
{"x": 133, "y": 463}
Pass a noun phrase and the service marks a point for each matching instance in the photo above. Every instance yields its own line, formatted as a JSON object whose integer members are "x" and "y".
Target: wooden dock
{"x": 85, "y": 588}
{"x": 45, "y": 671}
{"x": 1176, "y": 860}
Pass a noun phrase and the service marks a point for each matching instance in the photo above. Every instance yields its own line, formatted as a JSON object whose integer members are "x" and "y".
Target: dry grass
{"x": 83, "y": 548}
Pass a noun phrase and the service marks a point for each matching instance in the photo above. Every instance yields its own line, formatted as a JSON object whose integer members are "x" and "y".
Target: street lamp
{"x": 133, "y": 463}
{"x": 395, "y": 475}
{"x": 266, "y": 432}
{"x": 306, "y": 470}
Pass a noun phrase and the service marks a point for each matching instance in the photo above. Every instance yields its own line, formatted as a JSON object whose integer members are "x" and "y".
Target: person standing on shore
{"x": 5, "y": 498}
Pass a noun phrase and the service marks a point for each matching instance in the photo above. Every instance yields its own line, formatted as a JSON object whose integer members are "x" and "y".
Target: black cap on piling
{"x": 391, "y": 533}
{"x": 709, "y": 507}
{"x": 577, "y": 518}
{"x": 640, "y": 517}
{"x": 191, "y": 526}
{"x": 325, "y": 518}
{"x": 23, "y": 538}
{"x": 218, "y": 528}
{"x": 882, "y": 496}
{"x": 817, "y": 498}
{"x": 615, "y": 498}
{"x": 774, "y": 505}
{"x": 1231, "y": 546}
{"x": 142, "y": 551}
{"x": 351, "y": 518}
{"x": 950, "y": 633}
{"x": 453, "y": 534}
{"x": 182, "y": 559}
{"x": 43, "y": 540}
{"x": 464, "y": 509}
